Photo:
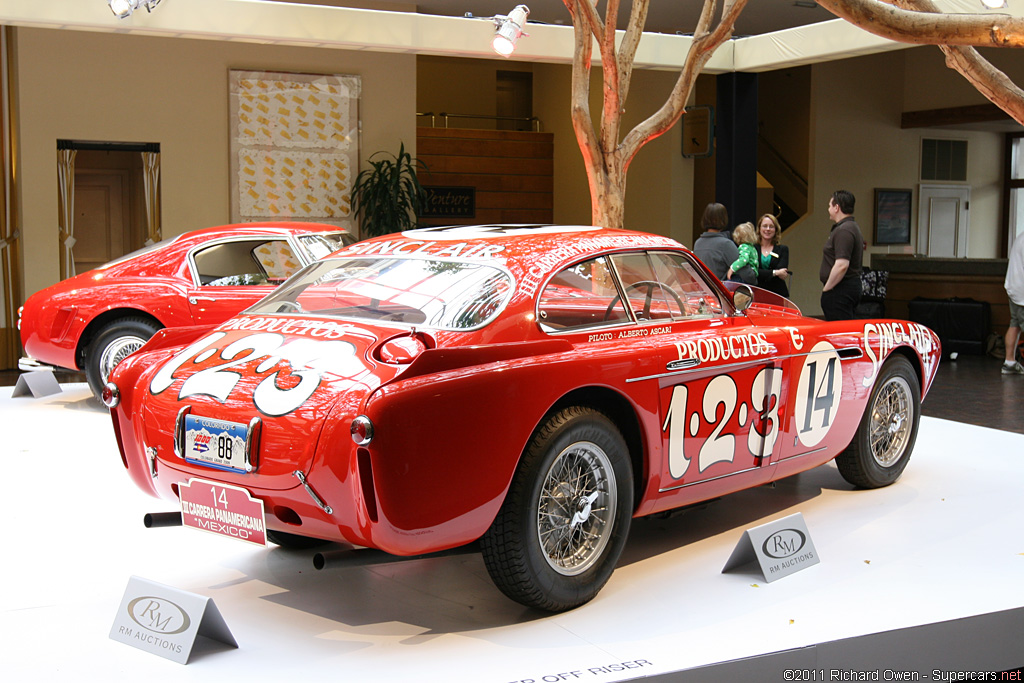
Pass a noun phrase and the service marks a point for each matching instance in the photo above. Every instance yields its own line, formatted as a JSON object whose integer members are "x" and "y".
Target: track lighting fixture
{"x": 123, "y": 9}
{"x": 508, "y": 29}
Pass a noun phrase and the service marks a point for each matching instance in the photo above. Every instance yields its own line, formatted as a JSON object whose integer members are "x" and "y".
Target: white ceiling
{"x": 664, "y": 16}
{"x": 778, "y": 33}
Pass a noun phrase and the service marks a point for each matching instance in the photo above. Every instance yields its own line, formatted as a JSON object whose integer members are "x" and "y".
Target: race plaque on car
{"x": 226, "y": 510}
{"x": 215, "y": 443}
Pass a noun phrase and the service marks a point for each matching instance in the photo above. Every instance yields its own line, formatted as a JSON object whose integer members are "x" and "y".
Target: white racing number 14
{"x": 818, "y": 394}
{"x": 719, "y": 403}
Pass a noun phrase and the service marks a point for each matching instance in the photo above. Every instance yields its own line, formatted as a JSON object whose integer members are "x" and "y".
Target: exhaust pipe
{"x": 152, "y": 520}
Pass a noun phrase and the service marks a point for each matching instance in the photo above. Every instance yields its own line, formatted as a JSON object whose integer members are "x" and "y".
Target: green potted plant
{"x": 388, "y": 197}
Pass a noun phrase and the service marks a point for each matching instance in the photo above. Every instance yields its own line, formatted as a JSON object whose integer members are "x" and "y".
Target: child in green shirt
{"x": 746, "y": 241}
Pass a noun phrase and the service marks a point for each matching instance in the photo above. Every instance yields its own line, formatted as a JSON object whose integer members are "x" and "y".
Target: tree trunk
{"x": 607, "y": 154}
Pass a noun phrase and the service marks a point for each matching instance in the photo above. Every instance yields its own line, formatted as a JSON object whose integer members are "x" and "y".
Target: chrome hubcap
{"x": 891, "y": 421}
{"x": 576, "y": 508}
{"x": 117, "y": 351}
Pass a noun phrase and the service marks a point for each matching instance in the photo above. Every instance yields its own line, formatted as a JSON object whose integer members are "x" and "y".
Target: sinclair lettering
{"x": 420, "y": 248}
{"x": 881, "y": 338}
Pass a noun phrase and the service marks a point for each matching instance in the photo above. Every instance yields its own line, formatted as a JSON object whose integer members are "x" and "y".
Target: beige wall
{"x": 107, "y": 87}
{"x": 104, "y": 87}
{"x": 857, "y": 144}
{"x": 658, "y": 193}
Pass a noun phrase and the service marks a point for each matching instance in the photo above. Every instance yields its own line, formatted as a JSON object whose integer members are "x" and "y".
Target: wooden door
{"x": 109, "y": 220}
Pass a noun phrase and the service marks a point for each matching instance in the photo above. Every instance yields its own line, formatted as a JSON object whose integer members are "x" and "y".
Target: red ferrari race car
{"x": 90, "y": 322}
{"x": 530, "y": 388}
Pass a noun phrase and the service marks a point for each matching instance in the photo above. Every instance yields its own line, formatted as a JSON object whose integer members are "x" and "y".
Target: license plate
{"x": 216, "y": 443}
{"x": 221, "y": 509}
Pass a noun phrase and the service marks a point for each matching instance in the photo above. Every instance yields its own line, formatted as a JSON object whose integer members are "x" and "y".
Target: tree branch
{"x": 583, "y": 126}
{"x": 703, "y": 47}
{"x": 929, "y": 28}
{"x": 987, "y": 79}
{"x": 630, "y": 42}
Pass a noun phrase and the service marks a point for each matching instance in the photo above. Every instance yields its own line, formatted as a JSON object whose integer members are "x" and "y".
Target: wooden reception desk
{"x": 944, "y": 278}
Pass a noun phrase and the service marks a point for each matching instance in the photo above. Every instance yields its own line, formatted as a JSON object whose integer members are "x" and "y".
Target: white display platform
{"x": 946, "y": 542}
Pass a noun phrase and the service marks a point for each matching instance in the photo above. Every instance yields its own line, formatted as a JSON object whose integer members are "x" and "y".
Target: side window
{"x": 583, "y": 295}
{"x": 245, "y": 262}
{"x": 663, "y": 285}
{"x": 677, "y": 273}
{"x": 277, "y": 260}
{"x": 650, "y": 293}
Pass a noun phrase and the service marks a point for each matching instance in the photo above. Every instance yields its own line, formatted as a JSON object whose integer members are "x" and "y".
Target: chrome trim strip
{"x": 312, "y": 494}
{"x": 752, "y": 361}
{"x": 179, "y": 431}
{"x": 800, "y": 455}
{"x": 705, "y": 481}
{"x": 151, "y": 454}
{"x": 251, "y": 459}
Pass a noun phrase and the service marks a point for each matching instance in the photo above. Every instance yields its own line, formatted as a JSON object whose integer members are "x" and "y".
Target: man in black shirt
{"x": 841, "y": 260}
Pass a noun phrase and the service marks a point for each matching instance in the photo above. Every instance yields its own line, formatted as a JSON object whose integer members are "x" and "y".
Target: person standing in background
{"x": 715, "y": 248}
{"x": 1014, "y": 285}
{"x": 841, "y": 260}
{"x": 773, "y": 268}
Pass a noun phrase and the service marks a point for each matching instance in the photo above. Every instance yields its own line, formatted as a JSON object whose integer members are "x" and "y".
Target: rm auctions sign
{"x": 166, "y": 621}
{"x": 780, "y": 548}
{"x": 226, "y": 510}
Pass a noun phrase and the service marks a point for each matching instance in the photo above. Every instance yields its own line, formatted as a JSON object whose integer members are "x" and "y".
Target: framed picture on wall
{"x": 294, "y": 146}
{"x": 698, "y": 132}
{"x": 892, "y": 216}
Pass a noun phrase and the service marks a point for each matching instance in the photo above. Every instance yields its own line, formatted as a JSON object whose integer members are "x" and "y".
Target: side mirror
{"x": 742, "y": 297}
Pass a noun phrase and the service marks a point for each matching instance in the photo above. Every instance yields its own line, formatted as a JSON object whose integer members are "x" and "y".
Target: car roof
{"x": 265, "y": 228}
{"x": 530, "y": 252}
{"x": 534, "y": 246}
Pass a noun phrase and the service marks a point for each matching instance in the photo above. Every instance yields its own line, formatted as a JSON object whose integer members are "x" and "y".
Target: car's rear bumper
{"x": 29, "y": 364}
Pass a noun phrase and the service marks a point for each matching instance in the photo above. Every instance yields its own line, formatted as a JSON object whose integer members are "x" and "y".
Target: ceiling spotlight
{"x": 994, "y": 4}
{"x": 508, "y": 29}
{"x": 123, "y": 9}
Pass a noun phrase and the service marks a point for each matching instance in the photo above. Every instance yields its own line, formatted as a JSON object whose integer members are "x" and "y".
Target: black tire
{"x": 564, "y": 522}
{"x": 294, "y": 541}
{"x": 115, "y": 342}
{"x": 885, "y": 438}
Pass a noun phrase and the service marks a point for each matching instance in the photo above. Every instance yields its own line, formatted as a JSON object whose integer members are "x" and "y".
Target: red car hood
{"x": 290, "y": 373}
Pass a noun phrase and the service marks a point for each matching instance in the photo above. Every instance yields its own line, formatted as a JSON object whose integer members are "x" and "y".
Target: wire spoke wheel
{"x": 117, "y": 351}
{"x": 564, "y": 521}
{"x": 111, "y": 345}
{"x": 577, "y": 506}
{"x": 891, "y": 421}
{"x": 885, "y": 437}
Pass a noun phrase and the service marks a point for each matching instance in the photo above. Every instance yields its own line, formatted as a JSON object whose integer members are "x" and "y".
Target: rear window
{"x": 447, "y": 295}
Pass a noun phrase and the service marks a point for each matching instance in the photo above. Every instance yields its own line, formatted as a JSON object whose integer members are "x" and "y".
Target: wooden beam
{"x": 952, "y": 116}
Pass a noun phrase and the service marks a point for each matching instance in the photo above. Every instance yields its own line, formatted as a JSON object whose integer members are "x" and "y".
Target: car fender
{"x": 447, "y": 472}
{"x": 57, "y": 327}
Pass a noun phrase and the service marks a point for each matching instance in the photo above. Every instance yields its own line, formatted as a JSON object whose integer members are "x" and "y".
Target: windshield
{"x": 324, "y": 244}
{"x": 448, "y": 295}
